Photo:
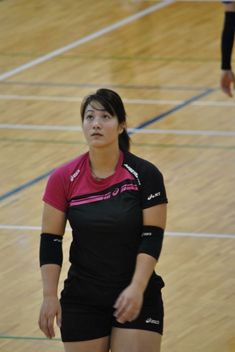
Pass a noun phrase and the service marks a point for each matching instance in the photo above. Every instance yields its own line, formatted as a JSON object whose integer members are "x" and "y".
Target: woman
{"x": 116, "y": 205}
{"x": 227, "y": 41}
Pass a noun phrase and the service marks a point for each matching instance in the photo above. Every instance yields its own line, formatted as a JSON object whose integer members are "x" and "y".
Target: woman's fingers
{"x": 50, "y": 310}
{"x": 130, "y": 313}
{"x": 128, "y": 304}
{"x": 120, "y": 306}
{"x": 126, "y": 310}
{"x": 59, "y": 319}
{"x": 227, "y": 81}
{"x": 46, "y": 324}
{"x": 50, "y": 324}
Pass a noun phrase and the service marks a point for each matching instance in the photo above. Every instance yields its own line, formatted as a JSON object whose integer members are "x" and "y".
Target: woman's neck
{"x": 103, "y": 162}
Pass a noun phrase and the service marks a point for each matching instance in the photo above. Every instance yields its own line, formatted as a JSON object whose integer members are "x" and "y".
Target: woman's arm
{"x": 53, "y": 227}
{"x": 154, "y": 216}
{"x": 129, "y": 302}
{"x": 227, "y": 42}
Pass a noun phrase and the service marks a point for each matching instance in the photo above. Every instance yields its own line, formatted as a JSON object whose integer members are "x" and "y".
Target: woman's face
{"x": 100, "y": 128}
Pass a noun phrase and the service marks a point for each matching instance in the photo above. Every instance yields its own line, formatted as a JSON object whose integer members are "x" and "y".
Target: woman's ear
{"x": 122, "y": 126}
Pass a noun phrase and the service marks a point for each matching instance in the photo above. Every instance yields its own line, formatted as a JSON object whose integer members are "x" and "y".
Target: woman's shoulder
{"x": 139, "y": 164}
{"x": 72, "y": 168}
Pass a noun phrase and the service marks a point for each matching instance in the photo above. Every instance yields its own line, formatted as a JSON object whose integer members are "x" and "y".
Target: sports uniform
{"x": 106, "y": 221}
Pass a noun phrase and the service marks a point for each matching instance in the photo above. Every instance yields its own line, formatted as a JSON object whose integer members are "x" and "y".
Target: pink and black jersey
{"x": 105, "y": 216}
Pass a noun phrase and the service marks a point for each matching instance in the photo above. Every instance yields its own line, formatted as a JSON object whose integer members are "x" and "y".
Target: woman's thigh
{"x": 135, "y": 340}
{"x": 96, "y": 345}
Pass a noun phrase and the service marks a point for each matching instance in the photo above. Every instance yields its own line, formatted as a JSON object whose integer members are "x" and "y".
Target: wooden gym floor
{"x": 163, "y": 58}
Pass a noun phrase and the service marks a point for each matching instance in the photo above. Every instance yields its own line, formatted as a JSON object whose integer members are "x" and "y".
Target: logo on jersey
{"x": 146, "y": 234}
{"x": 106, "y": 196}
{"x": 152, "y": 321}
{"x": 73, "y": 176}
{"x": 115, "y": 192}
{"x": 133, "y": 173}
{"x": 151, "y": 196}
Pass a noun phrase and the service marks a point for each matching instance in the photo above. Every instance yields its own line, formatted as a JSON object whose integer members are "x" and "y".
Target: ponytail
{"x": 124, "y": 141}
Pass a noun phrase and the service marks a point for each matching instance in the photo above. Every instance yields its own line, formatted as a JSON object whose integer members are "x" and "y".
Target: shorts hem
{"x": 80, "y": 339}
{"x": 160, "y": 332}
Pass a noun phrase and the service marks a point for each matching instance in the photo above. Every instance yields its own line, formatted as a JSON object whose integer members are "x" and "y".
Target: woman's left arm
{"x": 129, "y": 302}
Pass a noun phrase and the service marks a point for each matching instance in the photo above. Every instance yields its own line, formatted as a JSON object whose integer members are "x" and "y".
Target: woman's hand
{"x": 227, "y": 81}
{"x": 128, "y": 304}
{"x": 50, "y": 310}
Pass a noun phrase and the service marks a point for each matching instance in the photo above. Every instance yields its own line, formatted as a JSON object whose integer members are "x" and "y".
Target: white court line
{"x": 200, "y": 235}
{"x": 168, "y": 233}
{"x": 85, "y": 39}
{"x": 69, "y": 99}
{"x": 210, "y": 103}
{"x": 41, "y": 98}
{"x": 40, "y": 127}
{"x": 183, "y": 1}
{"x": 209, "y": 133}
{"x": 212, "y": 1}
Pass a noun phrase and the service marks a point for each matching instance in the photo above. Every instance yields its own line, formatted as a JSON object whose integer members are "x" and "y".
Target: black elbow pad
{"x": 50, "y": 251}
{"x": 151, "y": 241}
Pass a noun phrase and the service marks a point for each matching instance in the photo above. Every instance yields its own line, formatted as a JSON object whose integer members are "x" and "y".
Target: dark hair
{"x": 112, "y": 103}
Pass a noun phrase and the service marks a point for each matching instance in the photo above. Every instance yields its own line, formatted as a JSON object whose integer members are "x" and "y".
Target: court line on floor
{"x": 184, "y": 146}
{"x": 75, "y": 128}
{"x": 140, "y": 126}
{"x": 174, "y": 109}
{"x": 168, "y": 233}
{"x": 74, "y": 99}
{"x": 135, "y": 144}
{"x": 188, "y": 1}
{"x": 85, "y": 39}
{"x": 196, "y": 1}
{"x": 208, "y": 133}
{"x": 24, "y": 186}
{"x": 107, "y": 85}
{"x": 133, "y": 58}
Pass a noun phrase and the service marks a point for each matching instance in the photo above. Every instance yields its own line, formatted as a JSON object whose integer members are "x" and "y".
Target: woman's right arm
{"x": 227, "y": 41}
{"x": 53, "y": 227}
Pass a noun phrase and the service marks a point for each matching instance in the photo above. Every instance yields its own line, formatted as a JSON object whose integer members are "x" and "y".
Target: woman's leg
{"x": 96, "y": 345}
{"x": 134, "y": 340}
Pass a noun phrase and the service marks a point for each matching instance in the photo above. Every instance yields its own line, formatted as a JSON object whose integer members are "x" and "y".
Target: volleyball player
{"x": 227, "y": 42}
{"x": 115, "y": 203}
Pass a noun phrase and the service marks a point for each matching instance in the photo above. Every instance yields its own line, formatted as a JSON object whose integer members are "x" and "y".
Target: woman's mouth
{"x": 96, "y": 134}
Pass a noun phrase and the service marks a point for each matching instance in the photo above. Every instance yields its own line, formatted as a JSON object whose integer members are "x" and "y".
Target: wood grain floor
{"x": 165, "y": 64}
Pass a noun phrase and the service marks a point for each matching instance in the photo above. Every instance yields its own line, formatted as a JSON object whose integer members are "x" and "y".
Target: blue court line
{"x": 95, "y": 85}
{"x": 24, "y": 186}
{"x": 140, "y": 126}
{"x": 176, "y": 108}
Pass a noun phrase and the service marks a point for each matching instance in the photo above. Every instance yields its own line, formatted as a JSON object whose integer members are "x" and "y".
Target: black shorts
{"x": 87, "y": 312}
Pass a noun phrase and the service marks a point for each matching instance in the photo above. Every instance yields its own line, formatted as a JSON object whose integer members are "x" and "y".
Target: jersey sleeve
{"x": 55, "y": 192}
{"x": 153, "y": 190}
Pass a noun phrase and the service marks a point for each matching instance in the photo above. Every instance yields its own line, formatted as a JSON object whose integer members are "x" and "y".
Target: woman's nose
{"x": 96, "y": 122}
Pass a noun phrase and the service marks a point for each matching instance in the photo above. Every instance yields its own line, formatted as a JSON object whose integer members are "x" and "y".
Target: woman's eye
{"x": 89, "y": 117}
{"x": 107, "y": 117}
